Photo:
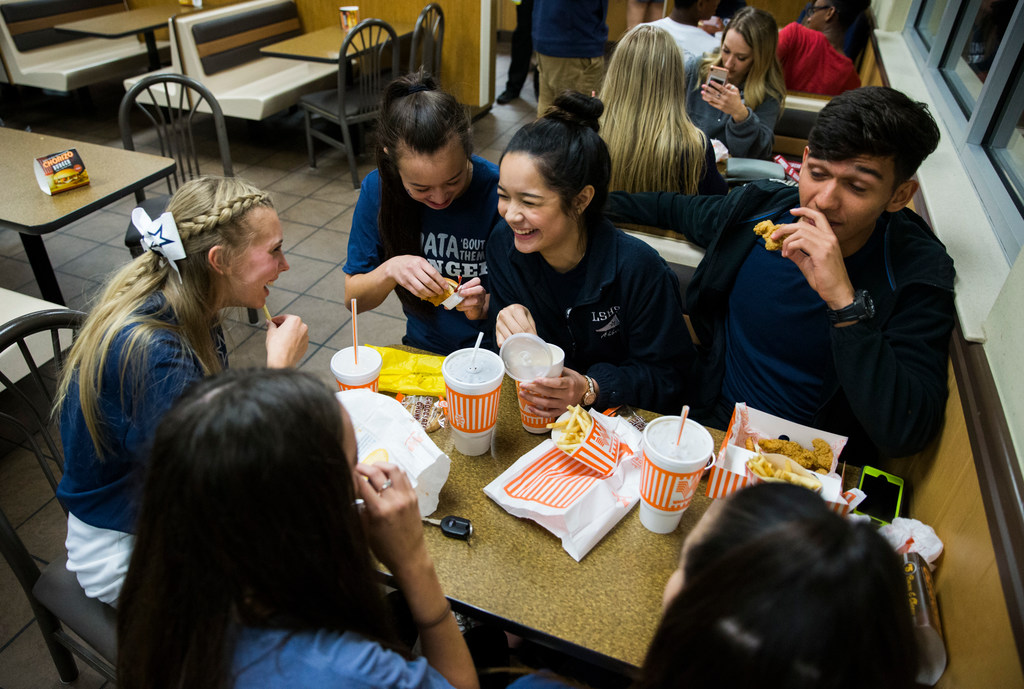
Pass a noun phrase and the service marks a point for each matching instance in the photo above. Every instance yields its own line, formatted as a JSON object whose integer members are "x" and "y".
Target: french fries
{"x": 574, "y": 429}
{"x": 768, "y": 471}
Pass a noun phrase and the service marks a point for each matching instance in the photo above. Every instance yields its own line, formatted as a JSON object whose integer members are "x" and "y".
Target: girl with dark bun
{"x": 252, "y": 564}
{"x": 560, "y": 270}
{"x": 424, "y": 215}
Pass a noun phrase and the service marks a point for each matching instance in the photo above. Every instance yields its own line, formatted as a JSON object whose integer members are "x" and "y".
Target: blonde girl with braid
{"x": 155, "y": 330}
{"x": 653, "y": 144}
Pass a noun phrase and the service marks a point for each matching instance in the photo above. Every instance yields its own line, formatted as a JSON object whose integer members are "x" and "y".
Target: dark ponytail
{"x": 569, "y": 154}
{"x": 416, "y": 117}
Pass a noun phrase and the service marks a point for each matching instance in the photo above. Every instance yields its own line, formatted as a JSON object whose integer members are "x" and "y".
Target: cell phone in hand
{"x": 719, "y": 75}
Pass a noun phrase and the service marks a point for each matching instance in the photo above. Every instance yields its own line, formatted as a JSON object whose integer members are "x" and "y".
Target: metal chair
{"x": 427, "y": 39}
{"x": 171, "y": 103}
{"x": 362, "y": 76}
{"x": 27, "y": 345}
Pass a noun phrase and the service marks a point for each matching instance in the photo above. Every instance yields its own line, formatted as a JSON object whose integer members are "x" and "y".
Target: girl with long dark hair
{"x": 252, "y": 565}
{"x": 424, "y": 215}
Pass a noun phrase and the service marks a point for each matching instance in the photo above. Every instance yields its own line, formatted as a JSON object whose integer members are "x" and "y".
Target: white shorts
{"x": 99, "y": 558}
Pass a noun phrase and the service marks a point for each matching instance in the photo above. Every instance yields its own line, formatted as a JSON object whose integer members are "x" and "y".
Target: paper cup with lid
{"x": 527, "y": 357}
{"x": 351, "y": 374}
{"x": 472, "y": 381}
{"x": 671, "y": 472}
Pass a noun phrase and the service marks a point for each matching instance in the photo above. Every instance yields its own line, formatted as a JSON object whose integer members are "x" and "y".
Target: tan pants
{"x": 557, "y": 74}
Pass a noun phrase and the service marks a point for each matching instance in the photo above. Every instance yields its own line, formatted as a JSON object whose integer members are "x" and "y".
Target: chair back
{"x": 363, "y": 63}
{"x": 32, "y": 354}
{"x": 171, "y": 103}
{"x": 427, "y": 40}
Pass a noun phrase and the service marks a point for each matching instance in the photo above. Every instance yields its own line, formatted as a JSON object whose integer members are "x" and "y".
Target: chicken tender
{"x": 765, "y": 229}
{"x": 819, "y": 459}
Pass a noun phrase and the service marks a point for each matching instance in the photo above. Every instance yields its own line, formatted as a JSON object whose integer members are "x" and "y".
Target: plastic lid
{"x": 526, "y": 356}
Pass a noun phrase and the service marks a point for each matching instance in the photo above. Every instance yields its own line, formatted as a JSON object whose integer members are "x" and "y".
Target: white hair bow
{"x": 161, "y": 236}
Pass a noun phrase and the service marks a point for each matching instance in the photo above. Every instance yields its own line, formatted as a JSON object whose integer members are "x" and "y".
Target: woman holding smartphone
{"x": 741, "y": 110}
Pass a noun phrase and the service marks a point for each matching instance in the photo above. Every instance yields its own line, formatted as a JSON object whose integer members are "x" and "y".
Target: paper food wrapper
{"x": 730, "y": 472}
{"x": 568, "y": 498}
{"x": 60, "y": 171}
{"x": 386, "y": 432}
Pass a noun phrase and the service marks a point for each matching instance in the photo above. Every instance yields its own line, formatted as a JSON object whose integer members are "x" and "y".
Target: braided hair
{"x": 208, "y": 212}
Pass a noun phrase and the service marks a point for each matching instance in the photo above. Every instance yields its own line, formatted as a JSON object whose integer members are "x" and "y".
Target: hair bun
{"x": 577, "y": 108}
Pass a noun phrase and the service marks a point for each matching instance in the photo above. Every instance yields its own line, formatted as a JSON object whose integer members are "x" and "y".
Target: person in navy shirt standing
{"x": 424, "y": 215}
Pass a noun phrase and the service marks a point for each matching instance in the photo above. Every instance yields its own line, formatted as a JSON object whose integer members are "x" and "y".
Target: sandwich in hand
{"x": 449, "y": 299}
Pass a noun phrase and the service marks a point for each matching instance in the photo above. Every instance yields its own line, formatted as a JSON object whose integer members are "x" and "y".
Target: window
{"x": 968, "y": 51}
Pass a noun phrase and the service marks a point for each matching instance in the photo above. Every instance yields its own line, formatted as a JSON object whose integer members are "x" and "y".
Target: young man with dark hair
{"x": 811, "y": 53}
{"x": 846, "y": 328}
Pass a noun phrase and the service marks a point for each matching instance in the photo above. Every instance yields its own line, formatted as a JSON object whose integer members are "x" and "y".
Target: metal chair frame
{"x": 35, "y": 424}
{"x": 427, "y": 41}
{"x": 361, "y": 57}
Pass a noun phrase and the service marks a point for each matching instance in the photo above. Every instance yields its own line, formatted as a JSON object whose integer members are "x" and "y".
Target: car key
{"x": 453, "y": 527}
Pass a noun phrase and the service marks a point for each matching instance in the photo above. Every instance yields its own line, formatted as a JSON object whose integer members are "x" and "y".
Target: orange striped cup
{"x": 473, "y": 385}
{"x": 671, "y": 472}
{"x": 600, "y": 448}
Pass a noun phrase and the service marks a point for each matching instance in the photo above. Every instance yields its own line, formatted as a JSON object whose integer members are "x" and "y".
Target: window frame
{"x": 977, "y": 137}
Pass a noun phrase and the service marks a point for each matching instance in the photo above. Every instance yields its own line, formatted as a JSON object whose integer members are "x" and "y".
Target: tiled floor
{"x": 315, "y": 207}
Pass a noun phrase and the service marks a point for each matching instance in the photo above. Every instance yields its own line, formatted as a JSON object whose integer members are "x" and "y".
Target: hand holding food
{"x": 474, "y": 299}
{"x": 448, "y": 297}
{"x": 287, "y": 341}
{"x": 573, "y": 429}
{"x": 417, "y": 275}
{"x": 818, "y": 252}
{"x": 765, "y": 228}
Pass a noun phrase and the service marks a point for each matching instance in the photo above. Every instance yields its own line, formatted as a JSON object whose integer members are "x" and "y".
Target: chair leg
{"x": 309, "y": 137}
{"x": 63, "y": 660}
{"x": 351, "y": 155}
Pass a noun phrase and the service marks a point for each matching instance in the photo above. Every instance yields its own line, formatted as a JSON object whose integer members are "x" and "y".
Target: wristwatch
{"x": 862, "y": 308}
{"x": 590, "y": 396}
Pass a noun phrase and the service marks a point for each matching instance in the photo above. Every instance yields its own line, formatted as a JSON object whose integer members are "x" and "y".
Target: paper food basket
{"x": 568, "y": 498}
{"x": 730, "y": 472}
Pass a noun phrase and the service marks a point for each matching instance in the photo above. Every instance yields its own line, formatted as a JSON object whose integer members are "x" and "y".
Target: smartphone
{"x": 884, "y": 493}
{"x": 719, "y": 75}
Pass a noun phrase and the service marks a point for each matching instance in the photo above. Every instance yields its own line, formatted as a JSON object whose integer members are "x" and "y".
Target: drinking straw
{"x": 476, "y": 348}
{"x": 355, "y": 334}
{"x": 682, "y": 421}
{"x": 266, "y": 312}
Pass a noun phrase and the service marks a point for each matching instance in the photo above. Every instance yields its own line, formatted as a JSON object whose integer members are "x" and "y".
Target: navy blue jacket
{"x": 626, "y": 330}
{"x": 886, "y": 390}
{"x": 570, "y": 28}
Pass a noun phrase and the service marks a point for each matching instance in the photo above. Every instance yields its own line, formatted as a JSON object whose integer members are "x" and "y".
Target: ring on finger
{"x": 384, "y": 486}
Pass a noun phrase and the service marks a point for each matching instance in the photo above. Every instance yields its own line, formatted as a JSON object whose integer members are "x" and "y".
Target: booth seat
{"x": 38, "y": 55}
{"x": 220, "y": 48}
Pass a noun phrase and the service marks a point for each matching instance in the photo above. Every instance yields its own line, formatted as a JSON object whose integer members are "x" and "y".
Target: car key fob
{"x": 453, "y": 527}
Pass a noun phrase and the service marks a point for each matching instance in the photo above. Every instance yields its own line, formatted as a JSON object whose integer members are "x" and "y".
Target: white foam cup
{"x": 671, "y": 472}
{"x": 473, "y": 391}
{"x": 365, "y": 374}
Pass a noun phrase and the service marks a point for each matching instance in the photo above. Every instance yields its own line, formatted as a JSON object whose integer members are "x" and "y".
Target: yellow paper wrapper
{"x": 410, "y": 374}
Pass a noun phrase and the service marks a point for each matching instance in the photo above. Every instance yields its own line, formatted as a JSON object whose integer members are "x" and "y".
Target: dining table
{"x": 113, "y": 174}
{"x": 602, "y": 610}
{"x": 323, "y": 45}
{"x": 143, "y": 20}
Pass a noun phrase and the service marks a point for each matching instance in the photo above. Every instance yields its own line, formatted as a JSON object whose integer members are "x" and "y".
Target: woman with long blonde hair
{"x": 155, "y": 330}
{"x": 653, "y": 144}
{"x": 741, "y": 113}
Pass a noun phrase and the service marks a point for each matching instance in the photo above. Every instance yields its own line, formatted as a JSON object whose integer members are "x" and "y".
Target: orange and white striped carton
{"x": 730, "y": 472}
{"x": 568, "y": 498}
{"x": 600, "y": 449}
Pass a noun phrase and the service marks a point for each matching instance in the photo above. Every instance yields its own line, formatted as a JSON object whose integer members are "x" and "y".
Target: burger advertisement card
{"x": 61, "y": 171}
